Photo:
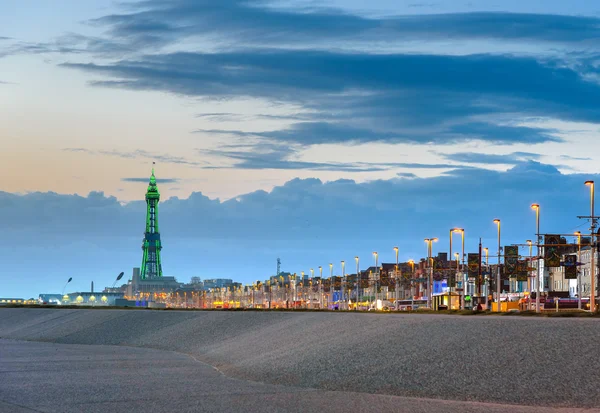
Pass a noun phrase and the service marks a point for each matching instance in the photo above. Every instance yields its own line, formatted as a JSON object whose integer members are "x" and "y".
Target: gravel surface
{"x": 64, "y": 378}
{"x": 516, "y": 360}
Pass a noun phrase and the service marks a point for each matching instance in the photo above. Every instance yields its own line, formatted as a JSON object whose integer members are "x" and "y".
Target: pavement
{"x": 49, "y": 377}
{"x": 494, "y": 360}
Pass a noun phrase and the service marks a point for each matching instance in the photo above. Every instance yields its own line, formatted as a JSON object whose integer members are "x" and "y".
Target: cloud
{"x": 158, "y": 180}
{"x": 406, "y": 175}
{"x": 155, "y": 23}
{"x": 300, "y": 200}
{"x": 139, "y": 153}
{"x": 489, "y": 158}
{"x": 394, "y": 98}
{"x": 574, "y": 158}
{"x": 273, "y": 156}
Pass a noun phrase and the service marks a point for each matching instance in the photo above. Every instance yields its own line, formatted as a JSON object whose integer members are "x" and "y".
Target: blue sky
{"x": 314, "y": 131}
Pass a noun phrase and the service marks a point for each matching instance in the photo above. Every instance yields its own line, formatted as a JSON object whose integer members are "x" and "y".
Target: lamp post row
{"x": 538, "y": 286}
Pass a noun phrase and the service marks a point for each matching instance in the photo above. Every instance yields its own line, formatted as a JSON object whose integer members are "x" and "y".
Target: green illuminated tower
{"x": 151, "y": 263}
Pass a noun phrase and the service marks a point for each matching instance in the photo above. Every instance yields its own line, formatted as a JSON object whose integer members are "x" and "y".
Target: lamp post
{"x": 529, "y": 283}
{"x": 498, "y": 278}
{"x": 536, "y": 208}
{"x": 396, "y": 274}
{"x": 331, "y": 288}
{"x": 592, "y": 252}
{"x": 68, "y": 281}
{"x": 376, "y": 255}
{"x": 430, "y": 242}
{"x": 303, "y": 287}
{"x": 321, "y": 287}
{"x": 487, "y": 270}
{"x": 412, "y": 277}
{"x": 578, "y": 234}
{"x": 343, "y": 282}
{"x": 464, "y": 281}
{"x": 357, "y": 284}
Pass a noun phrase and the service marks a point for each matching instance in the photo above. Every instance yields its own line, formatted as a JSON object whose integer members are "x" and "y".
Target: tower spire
{"x": 151, "y": 260}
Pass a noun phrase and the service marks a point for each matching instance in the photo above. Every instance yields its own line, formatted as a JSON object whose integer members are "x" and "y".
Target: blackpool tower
{"x": 151, "y": 262}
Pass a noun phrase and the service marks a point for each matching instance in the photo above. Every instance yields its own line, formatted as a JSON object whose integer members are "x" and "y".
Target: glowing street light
{"x": 343, "y": 280}
{"x": 464, "y": 280}
{"x": 430, "y": 242}
{"x": 536, "y": 208}
{"x": 411, "y": 262}
{"x": 357, "y": 283}
{"x": 376, "y": 255}
{"x": 498, "y": 280}
{"x": 396, "y": 276}
{"x": 593, "y": 258}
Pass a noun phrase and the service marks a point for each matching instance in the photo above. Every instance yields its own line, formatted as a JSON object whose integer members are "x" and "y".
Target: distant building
{"x": 218, "y": 283}
{"x": 50, "y": 299}
{"x": 137, "y": 285}
{"x": 91, "y": 298}
{"x": 195, "y": 280}
{"x": 6, "y": 301}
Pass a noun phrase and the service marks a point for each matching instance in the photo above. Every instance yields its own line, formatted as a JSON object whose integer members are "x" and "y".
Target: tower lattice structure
{"x": 151, "y": 262}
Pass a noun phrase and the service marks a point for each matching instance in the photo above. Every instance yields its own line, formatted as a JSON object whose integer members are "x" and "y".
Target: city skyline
{"x": 262, "y": 243}
{"x": 310, "y": 131}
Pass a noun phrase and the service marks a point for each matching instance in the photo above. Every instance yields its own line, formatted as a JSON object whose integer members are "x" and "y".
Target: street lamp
{"x": 396, "y": 274}
{"x": 357, "y": 283}
{"x": 376, "y": 255}
{"x": 536, "y": 208}
{"x": 487, "y": 270}
{"x": 578, "y": 234}
{"x": 68, "y": 281}
{"x": 529, "y": 286}
{"x": 497, "y": 222}
{"x": 592, "y": 257}
{"x": 411, "y": 262}
{"x": 343, "y": 280}
{"x": 430, "y": 242}
{"x": 463, "y": 281}
{"x": 320, "y": 287}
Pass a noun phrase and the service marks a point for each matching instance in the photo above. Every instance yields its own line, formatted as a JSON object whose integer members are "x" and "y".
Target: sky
{"x": 313, "y": 131}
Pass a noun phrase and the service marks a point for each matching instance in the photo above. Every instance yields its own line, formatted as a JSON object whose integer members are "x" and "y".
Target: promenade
{"x": 213, "y": 361}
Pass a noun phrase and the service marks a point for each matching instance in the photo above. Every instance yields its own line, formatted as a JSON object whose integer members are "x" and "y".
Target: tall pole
{"x": 529, "y": 283}
{"x": 331, "y": 289}
{"x": 487, "y": 271}
{"x": 430, "y": 242}
{"x": 343, "y": 281}
{"x": 412, "y": 277}
{"x": 68, "y": 281}
{"x": 376, "y": 255}
{"x": 593, "y": 251}
{"x": 321, "y": 287}
{"x": 312, "y": 275}
{"x": 464, "y": 273}
{"x": 536, "y": 208}
{"x": 396, "y": 274}
{"x": 303, "y": 287}
{"x": 578, "y": 234}
{"x": 479, "y": 275}
{"x": 498, "y": 278}
{"x": 357, "y": 284}
{"x": 450, "y": 273}
{"x": 458, "y": 270}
